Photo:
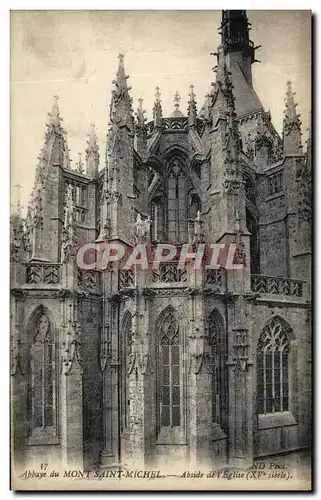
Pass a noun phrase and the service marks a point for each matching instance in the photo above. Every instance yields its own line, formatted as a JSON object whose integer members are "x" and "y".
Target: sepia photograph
{"x": 160, "y": 250}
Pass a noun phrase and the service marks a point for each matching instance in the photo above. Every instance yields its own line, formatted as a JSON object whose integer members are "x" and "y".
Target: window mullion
{"x": 170, "y": 385}
{"x": 281, "y": 381}
{"x": 264, "y": 381}
{"x": 43, "y": 385}
{"x": 273, "y": 382}
{"x": 177, "y": 209}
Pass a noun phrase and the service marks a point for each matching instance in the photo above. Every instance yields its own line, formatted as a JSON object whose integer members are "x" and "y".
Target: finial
{"x": 191, "y": 94}
{"x": 140, "y": 113}
{"x": 176, "y": 99}
{"x": 121, "y": 58}
{"x": 55, "y": 114}
{"x": 157, "y": 110}
{"x": 157, "y": 95}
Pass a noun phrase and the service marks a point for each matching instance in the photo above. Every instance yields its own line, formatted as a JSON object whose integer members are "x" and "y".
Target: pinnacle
{"x": 157, "y": 110}
{"x": 121, "y": 102}
{"x": 290, "y": 104}
{"x": 191, "y": 94}
{"x": 192, "y": 111}
{"x": 140, "y": 113}
{"x": 291, "y": 116}
{"x": 121, "y": 78}
{"x": 157, "y": 95}
{"x": 80, "y": 164}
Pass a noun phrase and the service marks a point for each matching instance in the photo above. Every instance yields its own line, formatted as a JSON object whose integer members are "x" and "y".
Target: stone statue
{"x": 198, "y": 234}
{"x": 142, "y": 229}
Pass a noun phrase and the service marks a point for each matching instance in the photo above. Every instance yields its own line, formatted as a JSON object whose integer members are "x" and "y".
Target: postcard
{"x": 161, "y": 166}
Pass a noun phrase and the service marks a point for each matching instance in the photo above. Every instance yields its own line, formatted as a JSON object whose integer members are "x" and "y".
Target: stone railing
{"x": 47, "y": 274}
{"x": 126, "y": 278}
{"x": 87, "y": 280}
{"x": 169, "y": 273}
{"x": 175, "y": 123}
{"x": 277, "y": 285}
{"x": 214, "y": 278}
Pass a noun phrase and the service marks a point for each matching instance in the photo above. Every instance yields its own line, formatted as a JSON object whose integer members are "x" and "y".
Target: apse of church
{"x": 166, "y": 365}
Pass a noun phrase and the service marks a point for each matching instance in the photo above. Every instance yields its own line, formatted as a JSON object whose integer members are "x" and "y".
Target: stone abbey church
{"x": 154, "y": 367}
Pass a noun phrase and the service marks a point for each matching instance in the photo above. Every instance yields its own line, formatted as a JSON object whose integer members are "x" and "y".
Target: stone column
{"x": 18, "y": 385}
{"x": 71, "y": 388}
{"x": 199, "y": 381}
{"x": 108, "y": 380}
{"x": 142, "y": 412}
{"x": 240, "y": 388}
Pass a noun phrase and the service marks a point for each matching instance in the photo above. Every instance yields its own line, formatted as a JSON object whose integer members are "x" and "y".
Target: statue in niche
{"x": 198, "y": 233}
{"x": 142, "y": 229}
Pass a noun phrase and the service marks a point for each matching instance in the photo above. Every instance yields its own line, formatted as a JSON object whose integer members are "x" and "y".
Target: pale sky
{"x": 74, "y": 54}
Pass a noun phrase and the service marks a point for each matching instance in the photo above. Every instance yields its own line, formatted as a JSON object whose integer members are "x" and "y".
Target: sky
{"x": 74, "y": 54}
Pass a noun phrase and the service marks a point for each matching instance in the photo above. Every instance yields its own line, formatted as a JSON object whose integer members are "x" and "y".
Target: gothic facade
{"x": 164, "y": 366}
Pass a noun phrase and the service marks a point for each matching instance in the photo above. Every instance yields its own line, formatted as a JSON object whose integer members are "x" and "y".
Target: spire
{"x": 67, "y": 160}
{"x": 121, "y": 112}
{"x": 92, "y": 153}
{"x": 55, "y": 135}
{"x": 224, "y": 83}
{"x": 35, "y": 210}
{"x": 291, "y": 118}
{"x": 140, "y": 113}
{"x": 55, "y": 120}
{"x": 68, "y": 230}
{"x": 141, "y": 133}
{"x": 177, "y": 112}
{"x": 223, "y": 111}
{"x": 55, "y": 114}
{"x": 157, "y": 110}
{"x": 291, "y": 124}
{"x": 80, "y": 164}
{"x": 192, "y": 110}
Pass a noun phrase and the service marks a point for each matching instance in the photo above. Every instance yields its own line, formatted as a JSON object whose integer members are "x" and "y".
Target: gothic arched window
{"x": 125, "y": 366}
{"x": 169, "y": 361}
{"x": 176, "y": 197}
{"x": 218, "y": 375}
{"x": 43, "y": 368}
{"x": 272, "y": 368}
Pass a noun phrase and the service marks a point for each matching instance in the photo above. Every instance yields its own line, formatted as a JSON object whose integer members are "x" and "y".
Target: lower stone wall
{"x": 290, "y": 430}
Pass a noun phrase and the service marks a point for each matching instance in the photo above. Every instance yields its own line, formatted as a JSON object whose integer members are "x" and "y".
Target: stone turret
{"x": 291, "y": 125}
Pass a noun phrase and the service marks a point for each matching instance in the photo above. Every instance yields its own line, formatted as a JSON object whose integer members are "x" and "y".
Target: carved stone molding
{"x": 241, "y": 355}
{"x": 15, "y": 350}
{"x": 39, "y": 293}
{"x": 72, "y": 348}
